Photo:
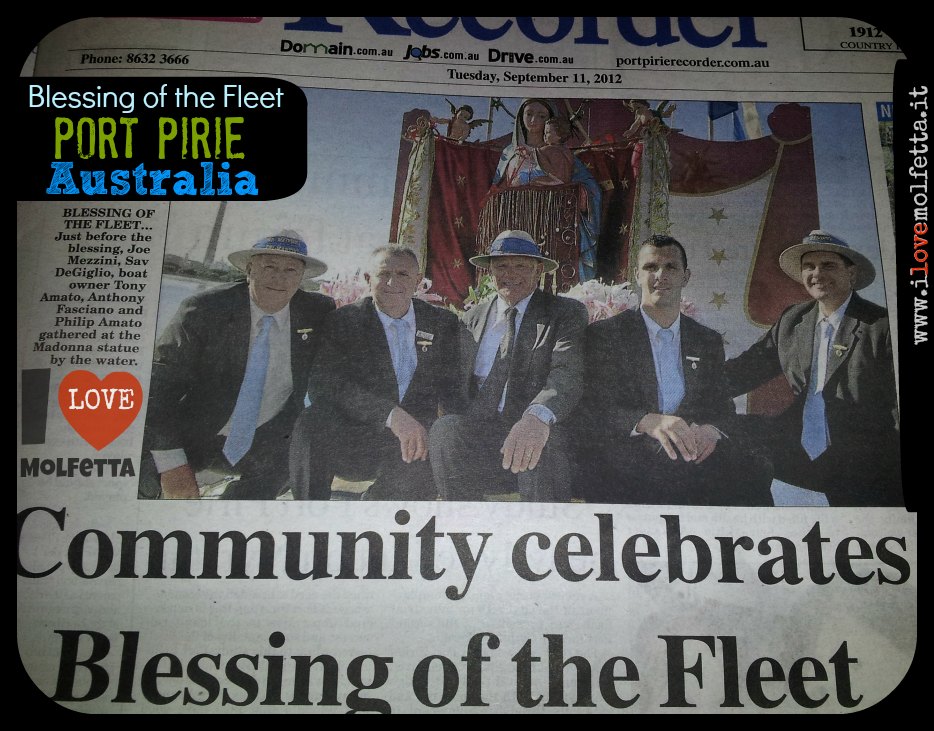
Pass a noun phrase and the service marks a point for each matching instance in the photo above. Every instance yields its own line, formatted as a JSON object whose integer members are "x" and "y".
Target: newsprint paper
{"x": 163, "y": 155}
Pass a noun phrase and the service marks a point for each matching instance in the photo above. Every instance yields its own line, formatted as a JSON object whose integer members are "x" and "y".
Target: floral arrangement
{"x": 422, "y": 292}
{"x": 475, "y": 295}
{"x": 601, "y": 300}
{"x": 346, "y": 289}
{"x": 605, "y": 300}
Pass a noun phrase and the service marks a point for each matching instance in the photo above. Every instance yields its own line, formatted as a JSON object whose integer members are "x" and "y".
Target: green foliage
{"x": 475, "y": 295}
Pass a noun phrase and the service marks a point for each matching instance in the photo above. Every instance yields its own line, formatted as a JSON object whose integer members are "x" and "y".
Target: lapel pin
{"x": 839, "y": 349}
{"x": 425, "y": 341}
{"x": 304, "y": 332}
{"x": 694, "y": 361}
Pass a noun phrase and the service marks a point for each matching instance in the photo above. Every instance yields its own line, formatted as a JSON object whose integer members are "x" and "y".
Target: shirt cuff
{"x": 168, "y": 459}
{"x": 542, "y": 413}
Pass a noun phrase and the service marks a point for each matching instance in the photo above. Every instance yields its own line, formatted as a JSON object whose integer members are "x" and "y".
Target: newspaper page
{"x": 625, "y": 529}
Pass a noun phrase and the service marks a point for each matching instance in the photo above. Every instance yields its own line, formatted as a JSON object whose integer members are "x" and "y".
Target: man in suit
{"x": 230, "y": 374}
{"x": 385, "y": 368}
{"x": 657, "y": 424}
{"x": 521, "y": 362}
{"x": 840, "y": 434}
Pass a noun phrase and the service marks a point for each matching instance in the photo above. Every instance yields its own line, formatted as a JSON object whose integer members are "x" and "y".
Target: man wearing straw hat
{"x": 840, "y": 434}
{"x": 521, "y": 362}
{"x": 230, "y": 374}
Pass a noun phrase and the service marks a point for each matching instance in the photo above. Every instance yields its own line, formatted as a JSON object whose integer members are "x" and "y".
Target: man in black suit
{"x": 230, "y": 374}
{"x": 385, "y": 368}
{"x": 656, "y": 423}
{"x": 521, "y": 362}
{"x": 840, "y": 436}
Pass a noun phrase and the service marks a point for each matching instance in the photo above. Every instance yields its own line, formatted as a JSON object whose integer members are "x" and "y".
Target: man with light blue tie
{"x": 230, "y": 373}
{"x": 656, "y": 425}
{"x": 384, "y": 372}
{"x": 840, "y": 435}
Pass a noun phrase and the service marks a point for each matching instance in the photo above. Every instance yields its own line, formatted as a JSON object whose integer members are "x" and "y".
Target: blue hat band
{"x": 818, "y": 238}
{"x": 283, "y": 244}
{"x": 514, "y": 247}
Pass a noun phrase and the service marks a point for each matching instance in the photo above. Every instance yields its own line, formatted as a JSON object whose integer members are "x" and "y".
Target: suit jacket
{"x": 859, "y": 390}
{"x": 548, "y": 364}
{"x": 353, "y": 375}
{"x": 621, "y": 386}
{"x": 200, "y": 360}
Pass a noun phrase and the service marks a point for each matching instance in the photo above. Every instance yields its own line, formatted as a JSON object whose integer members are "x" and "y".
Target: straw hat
{"x": 818, "y": 240}
{"x": 285, "y": 243}
{"x": 514, "y": 243}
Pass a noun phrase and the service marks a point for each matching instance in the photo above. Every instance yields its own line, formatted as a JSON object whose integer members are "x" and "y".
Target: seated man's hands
{"x": 412, "y": 436}
{"x": 706, "y": 437}
{"x": 673, "y": 433}
{"x": 179, "y": 483}
{"x": 524, "y": 444}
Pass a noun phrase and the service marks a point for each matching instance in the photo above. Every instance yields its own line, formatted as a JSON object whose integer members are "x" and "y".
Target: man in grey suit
{"x": 656, "y": 424}
{"x": 840, "y": 436}
{"x": 385, "y": 368}
{"x": 230, "y": 373}
{"x": 522, "y": 366}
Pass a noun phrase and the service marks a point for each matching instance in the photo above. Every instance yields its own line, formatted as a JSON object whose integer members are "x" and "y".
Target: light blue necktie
{"x": 246, "y": 412}
{"x": 814, "y": 432}
{"x": 404, "y": 361}
{"x": 671, "y": 383}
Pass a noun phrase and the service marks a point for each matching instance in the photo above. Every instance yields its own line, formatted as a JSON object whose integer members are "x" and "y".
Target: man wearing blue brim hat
{"x": 522, "y": 365}
{"x": 840, "y": 436}
{"x": 514, "y": 243}
{"x": 230, "y": 374}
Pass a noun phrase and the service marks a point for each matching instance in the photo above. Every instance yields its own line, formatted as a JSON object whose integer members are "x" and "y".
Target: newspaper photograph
{"x": 414, "y": 365}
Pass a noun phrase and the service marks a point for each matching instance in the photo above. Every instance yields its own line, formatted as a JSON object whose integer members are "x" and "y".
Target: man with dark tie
{"x": 840, "y": 434}
{"x": 656, "y": 423}
{"x": 384, "y": 371}
{"x": 521, "y": 362}
{"x": 230, "y": 373}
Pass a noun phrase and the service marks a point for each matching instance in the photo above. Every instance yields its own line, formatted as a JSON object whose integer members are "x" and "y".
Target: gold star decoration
{"x": 462, "y": 180}
{"x": 459, "y": 222}
{"x": 625, "y": 183}
{"x": 458, "y": 263}
{"x": 719, "y": 256}
{"x": 717, "y": 215}
{"x": 719, "y": 299}
{"x": 623, "y": 229}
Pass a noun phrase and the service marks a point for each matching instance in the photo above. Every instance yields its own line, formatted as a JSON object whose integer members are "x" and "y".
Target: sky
{"x": 345, "y": 207}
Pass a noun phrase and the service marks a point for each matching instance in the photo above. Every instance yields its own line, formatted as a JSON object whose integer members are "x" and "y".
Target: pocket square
{"x": 541, "y": 332}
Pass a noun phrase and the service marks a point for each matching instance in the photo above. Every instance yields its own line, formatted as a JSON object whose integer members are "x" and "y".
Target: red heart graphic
{"x": 100, "y": 411}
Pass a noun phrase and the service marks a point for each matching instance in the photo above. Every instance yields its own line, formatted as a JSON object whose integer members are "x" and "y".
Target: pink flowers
{"x": 603, "y": 300}
{"x": 690, "y": 309}
{"x": 422, "y": 293}
{"x": 346, "y": 289}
